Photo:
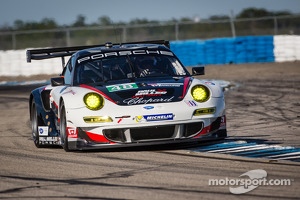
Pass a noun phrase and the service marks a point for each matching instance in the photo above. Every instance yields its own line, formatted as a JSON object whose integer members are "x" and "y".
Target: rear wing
{"x": 47, "y": 53}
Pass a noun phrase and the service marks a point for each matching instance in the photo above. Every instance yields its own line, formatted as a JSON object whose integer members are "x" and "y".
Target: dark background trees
{"x": 80, "y": 21}
{"x": 48, "y": 33}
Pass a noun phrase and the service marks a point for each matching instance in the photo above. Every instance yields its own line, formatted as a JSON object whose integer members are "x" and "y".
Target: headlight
{"x": 97, "y": 119}
{"x": 200, "y": 93}
{"x": 93, "y": 101}
{"x": 204, "y": 111}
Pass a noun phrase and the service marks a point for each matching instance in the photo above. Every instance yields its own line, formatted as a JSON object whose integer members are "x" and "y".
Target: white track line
{"x": 286, "y": 154}
{"x": 288, "y": 158}
{"x": 235, "y": 148}
{"x": 252, "y": 148}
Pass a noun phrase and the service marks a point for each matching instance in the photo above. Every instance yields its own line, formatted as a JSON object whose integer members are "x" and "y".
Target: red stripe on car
{"x": 98, "y": 138}
{"x": 186, "y": 83}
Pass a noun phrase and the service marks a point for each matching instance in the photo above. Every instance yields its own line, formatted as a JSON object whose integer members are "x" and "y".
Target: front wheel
{"x": 63, "y": 128}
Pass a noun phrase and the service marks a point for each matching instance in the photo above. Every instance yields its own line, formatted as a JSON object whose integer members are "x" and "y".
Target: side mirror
{"x": 57, "y": 81}
{"x": 198, "y": 71}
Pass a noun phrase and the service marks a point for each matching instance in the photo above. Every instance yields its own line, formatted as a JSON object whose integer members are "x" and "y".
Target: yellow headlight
{"x": 204, "y": 111}
{"x": 97, "y": 119}
{"x": 200, "y": 93}
{"x": 93, "y": 101}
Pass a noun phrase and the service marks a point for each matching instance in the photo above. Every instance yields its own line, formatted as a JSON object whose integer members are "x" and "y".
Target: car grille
{"x": 153, "y": 133}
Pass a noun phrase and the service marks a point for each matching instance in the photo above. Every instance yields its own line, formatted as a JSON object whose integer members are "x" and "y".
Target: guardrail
{"x": 246, "y": 49}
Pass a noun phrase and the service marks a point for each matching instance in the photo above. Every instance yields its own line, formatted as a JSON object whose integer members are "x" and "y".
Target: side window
{"x": 68, "y": 73}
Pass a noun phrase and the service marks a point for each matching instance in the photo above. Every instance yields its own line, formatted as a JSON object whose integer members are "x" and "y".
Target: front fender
{"x": 71, "y": 96}
{"x": 215, "y": 88}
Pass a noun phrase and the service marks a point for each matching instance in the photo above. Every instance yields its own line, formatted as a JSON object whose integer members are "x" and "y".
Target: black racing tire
{"x": 63, "y": 128}
{"x": 36, "y": 121}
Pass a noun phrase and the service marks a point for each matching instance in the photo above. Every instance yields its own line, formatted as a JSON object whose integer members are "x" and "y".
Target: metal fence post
{"x": 68, "y": 38}
{"x": 232, "y": 24}
{"x": 14, "y": 41}
{"x": 124, "y": 34}
{"x": 275, "y": 26}
{"x": 176, "y": 31}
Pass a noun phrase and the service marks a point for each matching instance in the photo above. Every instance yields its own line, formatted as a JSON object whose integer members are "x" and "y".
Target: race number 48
{"x": 128, "y": 86}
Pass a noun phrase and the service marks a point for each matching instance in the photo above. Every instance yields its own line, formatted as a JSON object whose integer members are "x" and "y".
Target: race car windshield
{"x": 127, "y": 67}
{"x": 148, "y": 65}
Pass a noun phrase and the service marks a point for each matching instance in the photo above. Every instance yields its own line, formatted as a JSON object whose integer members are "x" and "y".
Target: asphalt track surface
{"x": 264, "y": 108}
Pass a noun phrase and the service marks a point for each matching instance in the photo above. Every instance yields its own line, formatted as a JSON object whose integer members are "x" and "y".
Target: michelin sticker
{"x": 160, "y": 117}
{"x": 150, "y": 118}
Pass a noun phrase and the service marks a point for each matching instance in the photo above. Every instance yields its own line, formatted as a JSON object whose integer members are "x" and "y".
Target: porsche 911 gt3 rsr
{"x": 117, "y": 95}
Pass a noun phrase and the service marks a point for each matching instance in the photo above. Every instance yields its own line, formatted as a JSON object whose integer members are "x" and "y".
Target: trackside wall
{"x": 247, "y": 49}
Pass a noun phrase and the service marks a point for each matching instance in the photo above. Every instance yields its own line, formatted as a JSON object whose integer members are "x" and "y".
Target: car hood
{"x": 145, "y": 91}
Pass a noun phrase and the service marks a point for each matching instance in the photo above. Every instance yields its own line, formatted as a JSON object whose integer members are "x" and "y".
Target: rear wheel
{"x": 35, "y": 123}
{"x": 63, "y": 128}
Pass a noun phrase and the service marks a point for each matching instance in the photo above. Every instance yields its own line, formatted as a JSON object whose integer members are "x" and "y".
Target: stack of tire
{"x": 287, "y": 48}
{"x": 257, "y": 49}
{"x": 247, "y": 49}
{"x": 189, "y": 52}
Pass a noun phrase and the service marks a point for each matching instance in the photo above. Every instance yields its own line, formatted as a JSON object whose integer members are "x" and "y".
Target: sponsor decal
{"x": 49, "y": 140}
{"x": 151, "y": 92}
{"x": 43, "y": 130}
{"x": 148, "y": 107}
{"x": 72, "y": 132}
{"x": 141, "y": 100}
{"x": 122, "y": 117}
{"x": 165, "y": 84}
{"x": 168, "y": 116}
{"x": 223, "y": 121}
{"x": 139, "y": 118}
{"x": 71, "y": 91}
{"x": 122, "y": 53}
{"x": 150, "y": 118}
{"x": 210, "y": 83}
{"x": 127, "y": 86}
{"x": 190, "y": 103}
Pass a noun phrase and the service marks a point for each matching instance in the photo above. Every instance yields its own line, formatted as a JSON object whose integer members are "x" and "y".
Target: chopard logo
{"x": 141, "y": 100}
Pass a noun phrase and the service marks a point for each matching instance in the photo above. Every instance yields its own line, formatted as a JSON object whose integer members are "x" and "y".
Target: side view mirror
{"x": 198, "y": 71}
{"x": 57, "y": 81}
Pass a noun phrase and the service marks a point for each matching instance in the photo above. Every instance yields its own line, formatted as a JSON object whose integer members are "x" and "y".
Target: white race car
{"x": 116, "y": 95}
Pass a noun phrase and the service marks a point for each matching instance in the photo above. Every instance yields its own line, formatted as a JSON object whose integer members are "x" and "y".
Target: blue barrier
{"x": 245, "y": 49}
